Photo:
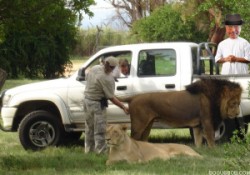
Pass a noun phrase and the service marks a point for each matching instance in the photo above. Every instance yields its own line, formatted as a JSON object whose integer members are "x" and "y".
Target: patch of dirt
{"x": 71, "y": 70}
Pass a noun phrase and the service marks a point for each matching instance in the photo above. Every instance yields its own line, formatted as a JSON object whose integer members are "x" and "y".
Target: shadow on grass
{"x": 181, "y": 136}
{"x": 179, "y": 139}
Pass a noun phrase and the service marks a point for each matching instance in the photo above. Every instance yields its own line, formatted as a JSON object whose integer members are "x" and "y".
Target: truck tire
{"x": 40, "y": 129}
{"x": 226, "y": 130}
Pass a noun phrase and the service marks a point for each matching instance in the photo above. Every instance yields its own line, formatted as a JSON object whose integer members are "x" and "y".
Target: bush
{"x": 167, "y": 24}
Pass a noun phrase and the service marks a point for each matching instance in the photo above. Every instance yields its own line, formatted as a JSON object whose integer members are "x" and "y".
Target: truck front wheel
{"x": 40, "y": 129}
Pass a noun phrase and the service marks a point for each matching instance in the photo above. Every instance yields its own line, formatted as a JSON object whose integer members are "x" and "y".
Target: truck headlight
{"x": 6, "y": 99}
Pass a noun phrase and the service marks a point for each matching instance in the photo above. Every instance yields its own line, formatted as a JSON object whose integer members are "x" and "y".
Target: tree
{"x": 207, "y": 14}
{"x": 91, "y": 40}
{"x": 167, "y": 24}
{"x": 129, "y": 11}
{"x": 215, "y": 12}
{"x": 37, "y": 36}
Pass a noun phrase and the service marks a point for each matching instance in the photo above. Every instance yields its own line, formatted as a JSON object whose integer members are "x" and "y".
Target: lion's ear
{"x": 124, "y": 127}
{"x": 108, "y": 126}
{"x": 225, "y": 93}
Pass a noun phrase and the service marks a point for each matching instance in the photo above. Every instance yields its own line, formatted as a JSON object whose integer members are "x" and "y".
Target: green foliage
{"x": 189, "y": 20}
{"x": 70, "y": 160}
{"x": 38, "y": 36}
{"x": 229, "y": 7}
{"x": 236, "y": 151}
{"x": 89, "y": 41}
{"x": 167, "y": 24}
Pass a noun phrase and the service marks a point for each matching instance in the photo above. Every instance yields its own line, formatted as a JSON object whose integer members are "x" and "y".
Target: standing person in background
{"x": 233, "y": 52}
{"x": 100, "y": 87}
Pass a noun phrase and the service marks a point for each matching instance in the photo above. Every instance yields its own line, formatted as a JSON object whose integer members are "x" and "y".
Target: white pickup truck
{"x": 51, "y": 112}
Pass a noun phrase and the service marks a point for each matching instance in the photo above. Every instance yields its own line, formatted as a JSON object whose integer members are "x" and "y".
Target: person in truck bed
{"x": 233, "y": 52}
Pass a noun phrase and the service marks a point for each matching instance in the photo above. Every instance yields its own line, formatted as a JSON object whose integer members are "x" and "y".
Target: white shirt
{"x": 238, "y": 47}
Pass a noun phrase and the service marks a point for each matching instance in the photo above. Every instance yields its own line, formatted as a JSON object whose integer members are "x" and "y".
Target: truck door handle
{"x": 121, "y": 88}
{"x": 169, "y": 86}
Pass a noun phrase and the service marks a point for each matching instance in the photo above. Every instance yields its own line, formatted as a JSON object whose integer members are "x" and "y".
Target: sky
{"x": 103, "y": 11}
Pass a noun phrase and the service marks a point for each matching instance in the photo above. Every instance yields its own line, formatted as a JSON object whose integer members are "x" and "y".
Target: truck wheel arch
{"x": 29, "y": 106}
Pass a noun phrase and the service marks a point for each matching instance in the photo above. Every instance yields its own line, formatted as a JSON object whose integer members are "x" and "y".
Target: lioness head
{"x": 230, "y": 102}
{"x": 115, "y": 134}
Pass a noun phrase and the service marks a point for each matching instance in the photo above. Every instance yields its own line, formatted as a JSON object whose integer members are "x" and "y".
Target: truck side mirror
{"x": 81, "y": 74}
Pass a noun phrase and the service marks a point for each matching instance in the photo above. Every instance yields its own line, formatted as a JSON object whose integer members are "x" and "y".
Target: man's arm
{"x": 232, "y": 58}
{"x": 120, "y": 104}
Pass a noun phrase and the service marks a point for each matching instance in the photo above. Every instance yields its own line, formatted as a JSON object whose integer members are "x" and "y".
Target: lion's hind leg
{"x": 180, "y": 149}
{"x": 190, "y": 152}
{"x": 187, "y": 151}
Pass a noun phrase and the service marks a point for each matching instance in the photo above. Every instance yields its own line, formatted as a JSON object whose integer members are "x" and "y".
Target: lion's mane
{"x": 216, "y": 90}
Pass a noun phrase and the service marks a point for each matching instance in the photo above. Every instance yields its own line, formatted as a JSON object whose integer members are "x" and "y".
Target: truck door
{"x": 156, "y": 71}
{"x": 123, "y": 87}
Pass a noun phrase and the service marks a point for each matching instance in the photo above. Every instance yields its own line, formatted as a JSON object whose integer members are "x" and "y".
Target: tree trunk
{"x": 3, "y": 76}
{"x": 217, "y": 34}
{"x": 135, "y": 9}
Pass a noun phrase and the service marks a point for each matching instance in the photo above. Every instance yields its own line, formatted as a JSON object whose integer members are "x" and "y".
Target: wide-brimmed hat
{"x": 233, "y": 19}
{"x": 112, "y": 61}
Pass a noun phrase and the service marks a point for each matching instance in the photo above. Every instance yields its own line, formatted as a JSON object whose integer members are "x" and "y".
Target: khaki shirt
{"x": 99, "y": 84}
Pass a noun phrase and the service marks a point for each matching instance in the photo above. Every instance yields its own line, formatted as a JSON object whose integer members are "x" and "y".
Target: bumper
{"x": 7, "y": 115}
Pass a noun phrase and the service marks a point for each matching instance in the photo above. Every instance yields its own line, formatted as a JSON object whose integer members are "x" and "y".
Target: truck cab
{"x": 153, "y": 67}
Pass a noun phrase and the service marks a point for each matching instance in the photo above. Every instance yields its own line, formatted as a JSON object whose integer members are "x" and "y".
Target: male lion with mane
{"x": 202, "y": 106}
{"x": 124, "y": 148}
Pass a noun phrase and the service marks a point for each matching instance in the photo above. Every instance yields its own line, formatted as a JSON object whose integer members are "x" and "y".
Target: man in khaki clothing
{"x": 99, "y": 89}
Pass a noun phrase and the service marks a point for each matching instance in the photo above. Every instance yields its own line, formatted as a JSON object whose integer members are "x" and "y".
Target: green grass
{"x": 68, "y": 160}
{"x": 72, "y": 160}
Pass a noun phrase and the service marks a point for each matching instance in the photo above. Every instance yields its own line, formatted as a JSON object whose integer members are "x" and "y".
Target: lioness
{"x": 202, "y": 106}
{"x": 124, "y": 148}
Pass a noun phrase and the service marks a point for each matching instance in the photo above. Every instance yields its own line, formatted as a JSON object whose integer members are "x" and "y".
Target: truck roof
{"x": 152, "y": 45}
{"x": 141, "y": 46}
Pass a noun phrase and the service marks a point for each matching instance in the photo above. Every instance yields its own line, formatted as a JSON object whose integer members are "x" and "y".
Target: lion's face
{"x": 233, "y": 108}
{"x": 230, "y": 104}
{"x": 115, "y": 134}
